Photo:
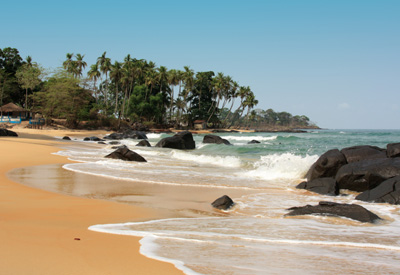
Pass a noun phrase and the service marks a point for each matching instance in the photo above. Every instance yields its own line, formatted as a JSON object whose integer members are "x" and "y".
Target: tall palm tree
{"x": 218, "y": 83}
{"x": 29, "y": 61}
{"x": 173, "y": 80}
{"x": 105, "y": 67}
{"x": 234, "y": 94}
{"x": 94, "y": 74}
{"x": 116, "y": 75}
{"x": 188, "y": 80}
{"x": 80, "y": 64}
{"x": 68, "y": 64}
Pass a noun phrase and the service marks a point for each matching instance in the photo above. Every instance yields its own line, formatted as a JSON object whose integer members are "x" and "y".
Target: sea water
{"x": 255, "y": 237}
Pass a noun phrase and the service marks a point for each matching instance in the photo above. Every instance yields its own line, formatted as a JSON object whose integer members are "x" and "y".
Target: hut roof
{"x": 11, "y": 107}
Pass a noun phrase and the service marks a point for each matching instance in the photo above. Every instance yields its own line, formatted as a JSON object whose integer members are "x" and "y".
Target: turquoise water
{"x": 255, "y": 237}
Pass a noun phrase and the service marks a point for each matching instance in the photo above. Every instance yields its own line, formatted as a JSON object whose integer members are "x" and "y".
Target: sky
{"x": 337, "y": 61}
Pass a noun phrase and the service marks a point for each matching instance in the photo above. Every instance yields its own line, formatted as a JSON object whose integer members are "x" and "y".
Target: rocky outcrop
{"x": 323, "y": 186}
{"x": 223, "y": 203}
{"x": 386, "y": 192}
{"x": 253, "y": 142}
{"x": 183, "y": 140}
{"x": 215, "y": 139}
{"x": 365, "y": 152}
{"x": 128, "y": 134}
{"x": 66, "y": 138}
{"x": 7, "y": 133}
{"x": 393, "y": 150}
{"x": 126, "y": 154}
{"x": 351, "y": 211}
{"x": 368, "y": 174}
{"x": 357, "y": 168}
{"x": 327, "y": 165}
{"x": 144, "y": 143}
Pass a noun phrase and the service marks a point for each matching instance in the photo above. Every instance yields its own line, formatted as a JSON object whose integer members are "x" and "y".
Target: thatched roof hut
{"x": 11, "y": 108}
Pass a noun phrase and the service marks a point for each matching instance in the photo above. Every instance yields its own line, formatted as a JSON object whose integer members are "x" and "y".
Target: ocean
{"x": 254, "y": 237}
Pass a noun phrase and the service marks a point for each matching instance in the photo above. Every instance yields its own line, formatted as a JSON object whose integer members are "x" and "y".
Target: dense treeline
{"x": 133, "y": 90}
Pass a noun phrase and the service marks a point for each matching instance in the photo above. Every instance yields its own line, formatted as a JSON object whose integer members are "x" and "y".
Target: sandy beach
{"x": 47, "y": 233}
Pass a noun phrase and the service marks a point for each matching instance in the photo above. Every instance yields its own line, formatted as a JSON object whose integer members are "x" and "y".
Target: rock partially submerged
{"x": 92, "y": 139}
{"x": 327, "y": 165}
{"x": 351, "y": 211}
{"x": 128, "y": 134}
{"x": 126, "y": 154}
{"x": 223, "y": 203}
{"x": 144, "y": 143}
{"x": 183, "y": 140}
{"x": 215, "y": 139}
{"x": 386, "y": 192}
{"x": 66, "y": 138}
{"x": 253, "y": 142}
{"x": 7, "y": 133}
{"x": 323, "y": 186}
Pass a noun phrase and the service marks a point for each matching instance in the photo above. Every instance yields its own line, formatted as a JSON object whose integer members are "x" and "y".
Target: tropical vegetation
{"x": 112, "y": 93}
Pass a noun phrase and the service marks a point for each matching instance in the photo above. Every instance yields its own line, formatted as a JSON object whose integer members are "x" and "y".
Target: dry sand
{"x": 38, "y": 228}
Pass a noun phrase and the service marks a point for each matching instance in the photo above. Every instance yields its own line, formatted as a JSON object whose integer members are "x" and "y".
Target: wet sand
{"x": 44, "y": 221}
{"x": 46, "y": 233}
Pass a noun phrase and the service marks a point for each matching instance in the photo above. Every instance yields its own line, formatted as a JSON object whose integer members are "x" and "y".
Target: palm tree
{"x": 105, "y": 66}
{"x": 188, "y": 79}
{"x": 80, "y": 64}
{"x": 29, "y": 61}
{"x": 173, "y": 80}
{"x": 94, "y": 74}
{"x": 69, "y": 64}
{"x": 250, "y": 102}
{"x": 218, "y": 84}
{"x": 116, "y": 75}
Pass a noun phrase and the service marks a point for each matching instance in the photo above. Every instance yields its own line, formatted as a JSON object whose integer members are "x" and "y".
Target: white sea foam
{"x": 249, "y": 138}
{"x": 227, "y": 161}
{"x": 281, "y": 166}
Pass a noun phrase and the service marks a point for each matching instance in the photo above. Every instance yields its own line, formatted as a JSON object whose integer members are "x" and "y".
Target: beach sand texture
{"x": 47, "y": 233}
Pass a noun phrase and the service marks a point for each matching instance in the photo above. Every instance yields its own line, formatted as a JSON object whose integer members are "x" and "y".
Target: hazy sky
{"x": 338, "y": 62}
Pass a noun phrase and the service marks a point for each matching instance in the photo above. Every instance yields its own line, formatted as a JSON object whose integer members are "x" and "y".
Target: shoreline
{"x": 47, "y": 233}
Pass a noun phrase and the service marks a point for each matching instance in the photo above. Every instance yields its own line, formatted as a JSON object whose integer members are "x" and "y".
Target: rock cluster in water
{"x": 368, "y": 169}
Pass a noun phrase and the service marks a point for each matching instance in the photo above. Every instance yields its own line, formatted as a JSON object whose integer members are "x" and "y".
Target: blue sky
{"x": 338, "y": 62}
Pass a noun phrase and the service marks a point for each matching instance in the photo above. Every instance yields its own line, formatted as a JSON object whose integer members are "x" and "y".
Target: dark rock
{"x": 223, "y": 203}
{"x": 66, "y": 138}
{"x": 393, "y": 150}
{"x": 327, "y": 165}
{"x": 183, "y": 140}
{"x": 253, "y": 142}
{"x": 7, "y": 133}
{"x": 364, "y": 152}
{"x": 215, "y": 139}
{"x": 387, "y": 192}
{"x": 119, "y": 147}
{"x": 126, "y": 154}
{"x": 324, "y": 186}
{"x": 352, "y": 211}
{"x": 101, "y": 142}
{"x": 114, "y": 142}
{"x": 368, "y": 174}
{"x": 144, "y": 143}
{"x": 92, "y": 139}
{"x": 132, "y": 134}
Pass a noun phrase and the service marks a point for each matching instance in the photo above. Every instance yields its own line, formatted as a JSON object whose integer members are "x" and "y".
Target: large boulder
{"x": 66, "y": 138}
{"x": 183, "y": 140}
{"x": 224, "y": 203}
{"x": 7, "y": 133}
{"x": 126, "y": 154}
{"x": 324, "y": 186}
{"x": 327, "y": 165}
{"x": 351, "y": 211}
{"x": 388, "y": 191}
{"x": 364, "y": 152}
{"x": 393, "y": 150}
{"x": 128, "y": 134}
{"x": 215, "y": 139}
{"x": 368, "y": 174}
{"x": 144, "y": 143}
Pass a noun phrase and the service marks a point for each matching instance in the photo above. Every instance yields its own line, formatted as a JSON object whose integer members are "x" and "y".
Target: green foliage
{"x": 10, "y": 61}
{"x": 62, "y": 97}
{"x": 29, "y": 77}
